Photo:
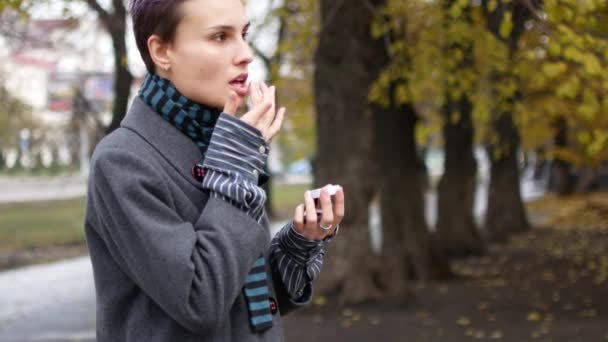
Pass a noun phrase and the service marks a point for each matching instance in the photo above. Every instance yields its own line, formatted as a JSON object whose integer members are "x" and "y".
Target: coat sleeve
{"x": 193, "y": 271}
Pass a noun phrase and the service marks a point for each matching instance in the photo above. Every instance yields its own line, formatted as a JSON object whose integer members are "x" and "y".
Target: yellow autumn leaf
{"x": 534, "y": 316}
{"x": 592, "y": 64}
{"x": 463, "y": 321}
{"x": 506, "y": 26}
{"x": 320, "y": 300}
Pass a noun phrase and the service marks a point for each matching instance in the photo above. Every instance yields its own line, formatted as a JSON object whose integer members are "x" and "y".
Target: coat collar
{"x": 179, "y": 150}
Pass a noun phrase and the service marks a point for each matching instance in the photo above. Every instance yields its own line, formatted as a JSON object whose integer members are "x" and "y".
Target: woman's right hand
{"x": 262, "y": 115}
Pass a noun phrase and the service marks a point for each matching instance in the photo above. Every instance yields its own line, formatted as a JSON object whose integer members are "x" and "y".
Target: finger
{"x": 277, "y": 124}
{"x": 327, "y": 212}
{"x": 298, "y": 219}
{"x": 232, "y": 105}
{"x": 264, "y": 92}
{"x": 338, "y": 206}
{"x": 311, "y": 211}
{"x": 270, "y": 115}
{"x": 264, "y": 99}
{"x": 253, "y": 116}
{"x": 254, "y": 94}
{"x": 261, "y": 92}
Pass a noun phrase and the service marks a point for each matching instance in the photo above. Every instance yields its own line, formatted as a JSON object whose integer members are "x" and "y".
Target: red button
{"x": 273, "y": 306}
{"x": 198, "y": 172}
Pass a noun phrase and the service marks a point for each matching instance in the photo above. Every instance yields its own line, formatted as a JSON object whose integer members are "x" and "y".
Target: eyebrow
{"x": 228, "y": 27}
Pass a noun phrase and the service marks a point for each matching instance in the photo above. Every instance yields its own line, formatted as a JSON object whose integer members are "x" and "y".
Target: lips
{"x": 239, "y": 84}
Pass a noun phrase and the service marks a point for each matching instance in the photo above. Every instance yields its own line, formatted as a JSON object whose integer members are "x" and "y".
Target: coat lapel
{"x": 179, "y": 150}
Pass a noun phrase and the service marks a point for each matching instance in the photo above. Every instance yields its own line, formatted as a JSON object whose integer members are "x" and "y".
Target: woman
{"x": 175, "y": 220}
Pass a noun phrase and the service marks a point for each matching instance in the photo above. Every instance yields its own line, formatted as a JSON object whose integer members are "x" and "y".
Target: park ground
{"x": 549, "y": 284}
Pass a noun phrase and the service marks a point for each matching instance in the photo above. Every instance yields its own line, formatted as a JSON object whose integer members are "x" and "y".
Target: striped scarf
{"x": 197, "y": 122}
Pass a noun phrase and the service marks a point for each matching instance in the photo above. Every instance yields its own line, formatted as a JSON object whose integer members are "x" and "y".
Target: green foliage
{"x": 570, "y": 51}
{"x": 14, "y": 116}
{"x": 554, "y": 67}
{"x": 292, "y": 74}
{"x": 11, "y": 4}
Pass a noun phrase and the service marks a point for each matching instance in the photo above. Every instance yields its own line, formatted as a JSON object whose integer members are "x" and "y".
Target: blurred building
{"x": 54, "y": 56}
{"x": 47, "y": 64}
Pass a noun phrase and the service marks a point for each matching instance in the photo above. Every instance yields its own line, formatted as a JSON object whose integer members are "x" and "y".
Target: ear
{"x": 158, "y": 52}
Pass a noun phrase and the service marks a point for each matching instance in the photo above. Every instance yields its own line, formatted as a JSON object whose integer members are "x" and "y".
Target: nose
{"x": 245, "y": 54}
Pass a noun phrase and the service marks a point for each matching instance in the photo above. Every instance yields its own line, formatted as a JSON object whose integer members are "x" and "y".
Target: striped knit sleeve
{"x": 298, "y": 261}
{"x": 233, "y": 162}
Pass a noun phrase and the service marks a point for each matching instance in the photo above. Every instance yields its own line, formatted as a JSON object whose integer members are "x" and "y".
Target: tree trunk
{"x": 456, "y": 231}
{"x": 402, "y": 180}
{"x": 116, "y": 24}
{"x": 560, "y": 180}
{"x": 347, "y": 61}
{"x": 587, "y": 180}
{"x": 122, "y": 75}
{"x": 506, "y": 213}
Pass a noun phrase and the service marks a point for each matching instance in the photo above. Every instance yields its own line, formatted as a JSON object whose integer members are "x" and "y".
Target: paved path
{"x": 27, "y": 189}
{"x": 52, "y": 302}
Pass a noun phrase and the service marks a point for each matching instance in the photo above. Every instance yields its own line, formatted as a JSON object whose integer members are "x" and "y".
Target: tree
{"x": 563, "y": 68}
{"x": 401, "y": 174}
{"x": 14, "y": 116}
{"x": 295, "y": 39}
{"x": 347, "y": 61}
{"x": 457, "y": 233}
{"x": 505, "y": 213}
{"x": 115, "y": 22}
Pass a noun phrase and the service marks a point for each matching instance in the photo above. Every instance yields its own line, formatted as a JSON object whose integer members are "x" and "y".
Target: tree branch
{"x": 119, "y": 6}
{"x": 260, "y": 54}
{"x": 103, "y": 14}
{"x": 533, "y": 10}
{"x": 332, "y": 14}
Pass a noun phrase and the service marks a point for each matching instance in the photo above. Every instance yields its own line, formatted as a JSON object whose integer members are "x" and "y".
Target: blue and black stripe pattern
{"x": 193, "y": 119}
{"x": 233, "y": 163}
{"x": 198, "y": 122}
{"x": 256, "y": 294}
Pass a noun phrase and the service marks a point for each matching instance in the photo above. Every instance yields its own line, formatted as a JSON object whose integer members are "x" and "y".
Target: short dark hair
{"x": 154, "y": 17}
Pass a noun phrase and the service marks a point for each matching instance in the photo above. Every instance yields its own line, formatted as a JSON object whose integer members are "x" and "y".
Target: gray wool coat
{"x": 169, "y": 262}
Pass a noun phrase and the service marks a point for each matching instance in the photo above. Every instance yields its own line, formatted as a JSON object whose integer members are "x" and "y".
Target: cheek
{"x": 207, "y": 73}
{"x": 205, "y": 63}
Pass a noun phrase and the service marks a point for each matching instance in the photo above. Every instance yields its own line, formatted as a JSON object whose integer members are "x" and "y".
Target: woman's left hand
{"x": 305, "y": 216}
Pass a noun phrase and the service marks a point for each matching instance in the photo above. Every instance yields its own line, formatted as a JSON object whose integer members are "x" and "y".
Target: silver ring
{"x": 325, "y": 228}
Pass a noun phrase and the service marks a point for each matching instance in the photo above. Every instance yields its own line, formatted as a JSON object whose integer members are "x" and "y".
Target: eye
{"x": 245, "y": 35}
{"x": 220, "y": 37}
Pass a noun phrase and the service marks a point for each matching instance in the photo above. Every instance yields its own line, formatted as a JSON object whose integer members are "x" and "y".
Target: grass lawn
{"x": 41, "y": 224}
{"x": 42, "y": 231}
{"x": 286, "y": 197}
{"x": 38, "y": 232}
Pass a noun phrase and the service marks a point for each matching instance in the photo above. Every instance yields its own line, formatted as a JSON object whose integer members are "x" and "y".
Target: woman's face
{"x": 209, "y": 55}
